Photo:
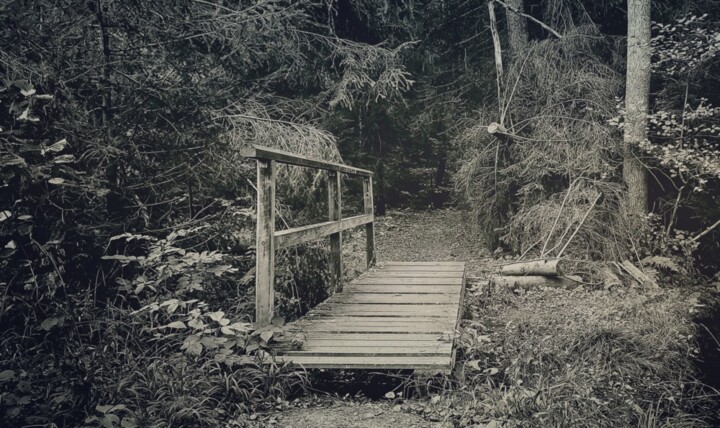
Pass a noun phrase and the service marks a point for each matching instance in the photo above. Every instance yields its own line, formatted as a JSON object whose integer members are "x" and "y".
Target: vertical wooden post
{"x": 265, "y": 251}
{"x": 370, "y": 227}
{"x": 335, "y": 214}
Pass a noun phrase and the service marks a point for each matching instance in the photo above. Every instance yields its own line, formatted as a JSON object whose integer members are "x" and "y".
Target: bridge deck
{"x": 398, "y": 315}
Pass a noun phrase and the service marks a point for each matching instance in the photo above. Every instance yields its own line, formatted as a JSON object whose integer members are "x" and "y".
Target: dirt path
{"x": 438, "y": 235}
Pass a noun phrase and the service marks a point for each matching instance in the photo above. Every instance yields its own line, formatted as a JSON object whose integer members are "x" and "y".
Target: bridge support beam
{"x": 265, "y": 242}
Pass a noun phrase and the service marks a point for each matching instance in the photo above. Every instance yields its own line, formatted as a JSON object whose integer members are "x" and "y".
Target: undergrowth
{"x": 580, "y": 359}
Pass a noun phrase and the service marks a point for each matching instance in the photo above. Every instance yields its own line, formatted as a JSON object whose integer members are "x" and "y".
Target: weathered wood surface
{"x": 266, "y": 153}
{"x": 378, "y": 323}
{"x": 268, "y": 240}
{"x": 544, "y": 267}
{"x": 265, "y": 242}
{"x": 298, "y": 235}
{"x": 369, "y": 209}
{"x": 335, "y": 214}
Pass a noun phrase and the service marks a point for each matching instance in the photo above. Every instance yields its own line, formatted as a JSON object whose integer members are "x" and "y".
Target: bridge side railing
{"x": 268, "y": 240}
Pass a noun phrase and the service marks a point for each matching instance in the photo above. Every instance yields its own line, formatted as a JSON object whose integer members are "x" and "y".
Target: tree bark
{"x": 498, "y": 52}
{"x": 517, "y": 27}
{"x": 637, "y": 89}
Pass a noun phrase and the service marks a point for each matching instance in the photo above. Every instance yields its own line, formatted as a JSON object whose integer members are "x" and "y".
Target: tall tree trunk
{"x": 637, "y": 92}
{"x": 498, "y": 53}
{"x": 517, "y": 27}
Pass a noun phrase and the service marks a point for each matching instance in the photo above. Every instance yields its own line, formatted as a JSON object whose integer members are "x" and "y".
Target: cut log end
{"x": 496, "y": 128}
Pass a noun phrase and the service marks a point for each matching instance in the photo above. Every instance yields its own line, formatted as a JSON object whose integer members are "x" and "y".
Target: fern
{"x": 662, "y": 263}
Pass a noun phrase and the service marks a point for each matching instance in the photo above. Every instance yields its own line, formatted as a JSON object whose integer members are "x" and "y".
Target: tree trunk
{"x": 517, "y": 27}
{"x": 498, "y": 52}
{"x": 637, "y": 89}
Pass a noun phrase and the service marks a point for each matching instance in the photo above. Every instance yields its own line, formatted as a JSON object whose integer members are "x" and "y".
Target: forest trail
{"x": 437, "y": 235}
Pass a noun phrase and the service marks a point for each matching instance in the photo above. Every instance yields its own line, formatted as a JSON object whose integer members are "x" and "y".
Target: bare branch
{"x": 525, "y": 15}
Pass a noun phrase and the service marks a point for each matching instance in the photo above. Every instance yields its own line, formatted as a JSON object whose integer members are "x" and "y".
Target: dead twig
{"x": 579, "y": 225}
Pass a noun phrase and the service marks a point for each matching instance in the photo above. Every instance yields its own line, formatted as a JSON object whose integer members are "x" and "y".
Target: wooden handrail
{"x": 298, "y": 235}
{"x": 260, "y": 152}
{"x": 268, "y": 240}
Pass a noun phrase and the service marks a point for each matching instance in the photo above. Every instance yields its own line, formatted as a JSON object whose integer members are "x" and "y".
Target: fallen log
{"x": 637, "y": 274}
{"x": 534, "y": 267}
{"x": 532, "y": 281}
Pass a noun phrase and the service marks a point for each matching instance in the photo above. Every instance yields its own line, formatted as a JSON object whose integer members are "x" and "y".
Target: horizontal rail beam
{"x": 260, "y": 152}
{"x": 298, "y": 235}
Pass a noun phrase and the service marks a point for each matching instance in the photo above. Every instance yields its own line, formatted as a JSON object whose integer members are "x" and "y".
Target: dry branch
{"x": 580, "y": 225}
{"x": 636, "y": 274}
{"x": 535, "y": 20}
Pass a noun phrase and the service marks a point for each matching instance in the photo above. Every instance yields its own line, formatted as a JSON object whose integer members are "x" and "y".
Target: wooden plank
{"x": 417, "y": 289}
{"x": 387, "y": 310}
{"x": 335, "y": 214}
{"x": 334, "y": 349}
{"x": 387, "y": 337}
{"x": 455, "y": 264}
{"x": 377, "y": 328}
{"x": 419, "y": 268}
{"x": 344, "y": 308}
{"x": 265, "y": 252}
{"x": 375, "y": 320}
{"x": 409, "y": 274}
{"x": 298, "y": 235}
{"x": 398, "y": 299}
{"x": 352, "y": 362}
{"x": 410, "y": 281}
{"x": 386, "y": 326}
{"x": 392, "y": 344}
{"x": 369, "y": 208}
{"x": 266, "y": 153}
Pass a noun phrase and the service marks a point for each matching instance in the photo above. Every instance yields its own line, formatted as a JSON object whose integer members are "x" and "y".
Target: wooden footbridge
{"x": 396, "y": 315}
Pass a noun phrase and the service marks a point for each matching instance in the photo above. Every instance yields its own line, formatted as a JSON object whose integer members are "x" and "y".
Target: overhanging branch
{"x": 525, "y": 15}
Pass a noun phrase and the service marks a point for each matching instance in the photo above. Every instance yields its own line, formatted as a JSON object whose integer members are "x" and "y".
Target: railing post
{"x": 335, "y": 214}
{"x": 370, "y": 227}
{"x": 265, "y": 242}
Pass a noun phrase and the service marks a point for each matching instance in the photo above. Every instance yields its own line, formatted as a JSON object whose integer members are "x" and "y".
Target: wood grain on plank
{"x": 335, "y": 349}
{"x": 390, "y": 328}
{"x": 398, "y": 299}
{"x": 265, "y": 252}
{"x": 418, "y": 289}
{"x": 335, "y": 214}
{"x": 416, "y": 281}
{"x": 344, "y": 343}
{"x": 352, "y": 362}
{"x": 391, "y": 337}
